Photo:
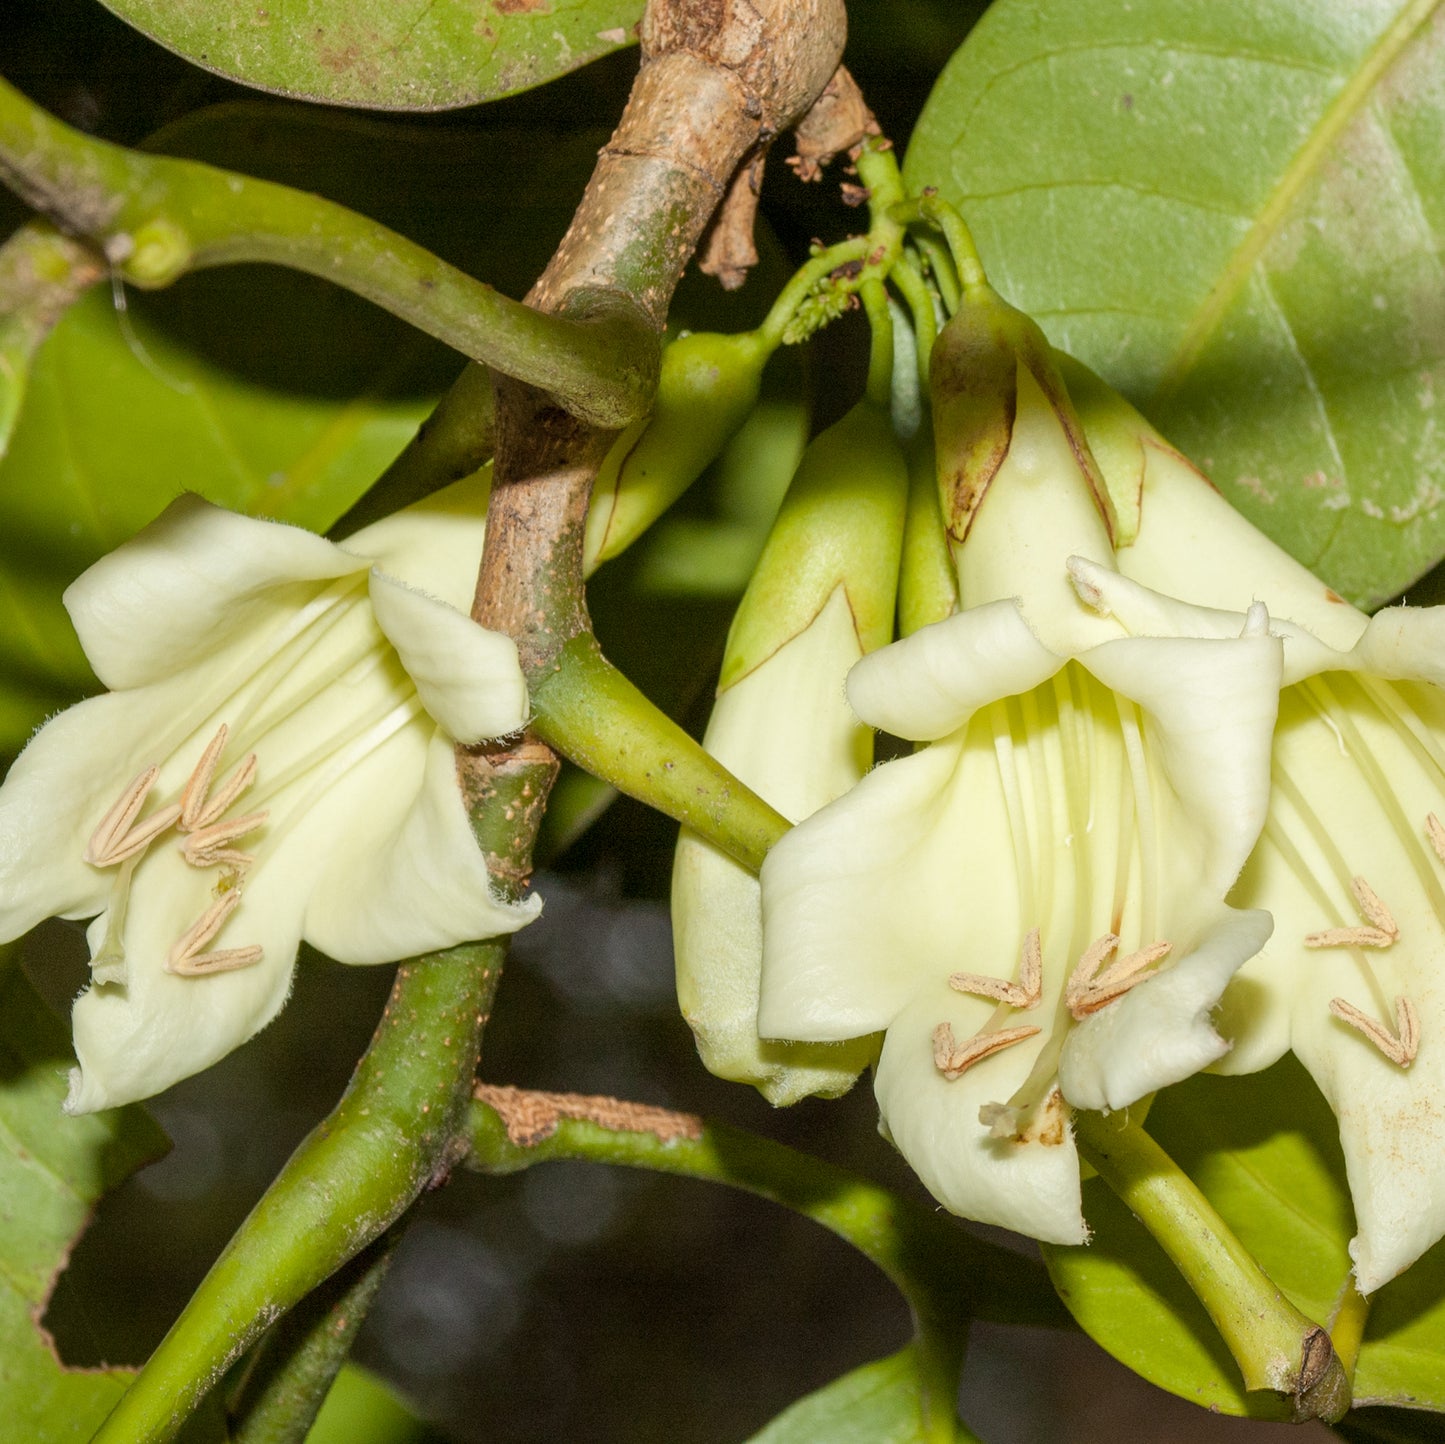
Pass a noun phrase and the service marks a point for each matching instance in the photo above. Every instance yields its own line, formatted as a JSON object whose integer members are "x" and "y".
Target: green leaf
{"x": 426, "y": 55}
{"x": 878, "y": 1403}
{"x": 360, "y": 1409}
{"x": 1265, "y": 1151}
{"x": 264, "y": 390}
{"x": 53, "y": 1170}
{"x": 1233, "y": 213}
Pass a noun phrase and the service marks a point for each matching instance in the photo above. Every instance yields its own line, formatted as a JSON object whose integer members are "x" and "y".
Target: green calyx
{"x": 841, "y": 523}
{"x": 708, "y": 386}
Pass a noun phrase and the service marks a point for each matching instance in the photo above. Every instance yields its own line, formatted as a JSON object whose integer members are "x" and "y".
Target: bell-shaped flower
{"x": 1032, "y": 904}
{"x": 1351, "y": 862}
{"x": 273, "y": 761}
{"x": 822, "y": 595}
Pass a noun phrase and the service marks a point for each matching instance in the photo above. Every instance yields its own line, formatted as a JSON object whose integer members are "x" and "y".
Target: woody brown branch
{"x": 718, "y": 77}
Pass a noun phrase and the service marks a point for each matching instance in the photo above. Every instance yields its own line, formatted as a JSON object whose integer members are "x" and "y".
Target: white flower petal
{"x": 403, "y": 874}
{"x": 931, "y": 683}
{"x": 193, "y": 579}
{"x": 1160, "y": 1032}
{"x": 1032, "y": 1187}
{"x": 1211, "y": 707}
{"x": 467, "y": 677}
{"x": 57, "y": 792}
{"x": 135, "y": 1040}
{"x": 1144, "y": 612}
{"x": 435, "y": 544}
{"x": 1392, "y": 1127}
{"x": 878, "y": 894}
{"x": 785, "y": 730}
{"x": 1193, "y": 545}
{"x": 1403, "y": 643}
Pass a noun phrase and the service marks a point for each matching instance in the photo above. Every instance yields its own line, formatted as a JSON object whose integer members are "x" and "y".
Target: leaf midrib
{"x": 1337, "y": 115}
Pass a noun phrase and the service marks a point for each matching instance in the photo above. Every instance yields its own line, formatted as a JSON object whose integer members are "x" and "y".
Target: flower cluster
{"x": 1174, "y": 805}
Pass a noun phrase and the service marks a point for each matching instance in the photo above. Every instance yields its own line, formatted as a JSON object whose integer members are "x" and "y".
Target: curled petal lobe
{"x": 433, "y": 545}
{"x": 468, "y": 678}
{"x": 134, "y": 1040}
{"x": 845, "y": 943}
{"x": 931, "y": 683}
{"x": 1210, "y": 709}
{"x": 403, "y": 874}
{"x": 1161, "y": 1031}
{"x": 1031, "y": 1186}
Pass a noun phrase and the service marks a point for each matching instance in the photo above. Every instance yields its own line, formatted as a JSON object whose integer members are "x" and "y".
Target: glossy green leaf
{"x": 1265, "y": 1152}
{"x": 53, "y": 1170}
{"x": 1234, "y": 214}
{"x": 426, "y": 55}
{"x": 875, "y": 1404}
{"x": 264, "y": 390}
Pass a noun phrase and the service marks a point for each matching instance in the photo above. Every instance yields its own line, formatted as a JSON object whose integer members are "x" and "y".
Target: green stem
{"x": 942, "y": 1269}
{"x": 157, "y": 217}
{"x": 297, "y": 1363}
{"x": 388, "y": 1138}
{"x": 1275, "y": 1346}
{"x": 852, "y": 264}
{"x": 920, "y": 306}
{"x": 941, "y": 265}
{"x": 880, "y": 354}
{"x": 776, "y": 327}
{"x": 595, "y": 717}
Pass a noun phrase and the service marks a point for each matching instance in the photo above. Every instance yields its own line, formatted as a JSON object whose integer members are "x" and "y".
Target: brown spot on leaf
{"x": 520, "y": 7}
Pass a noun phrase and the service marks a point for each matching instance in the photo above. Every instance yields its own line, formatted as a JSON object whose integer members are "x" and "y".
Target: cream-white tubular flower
{"x": 1352, "y": 859}
{"x": 1031, "y": 905}
{"x": 822, "y": 595}
{"x": 273, "y": 762}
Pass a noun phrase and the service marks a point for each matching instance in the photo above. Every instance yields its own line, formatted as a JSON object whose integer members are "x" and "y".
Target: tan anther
{"x": 1372, "y": 909}
{"x": 1023, "y": 994}
{"x": 118, "y": 836}
{"x": 189, "y": 958}
{"x": 953, "y": 1062}
{"x": 1435, "y": 831}
{"x": 1088, "y": 990}
{"x": 198, "y": 808}
{"x": 1399, "y": 1047}
{"x": 207, "y": 846}
{"x": 1380, "y": 931}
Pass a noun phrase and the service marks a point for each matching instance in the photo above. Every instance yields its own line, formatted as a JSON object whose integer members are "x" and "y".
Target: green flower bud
{"x": 823, "y": 595}
{"x": 709, "y": 384}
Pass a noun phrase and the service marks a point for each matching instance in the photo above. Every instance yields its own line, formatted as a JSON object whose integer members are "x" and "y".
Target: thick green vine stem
{"x": 1275, "y": 1346}
{"x": 391, "y": 1135}
{"x": 590, "y": 713}
{"x": 295, "y": 1365}
{"x": 156, "y": 217}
